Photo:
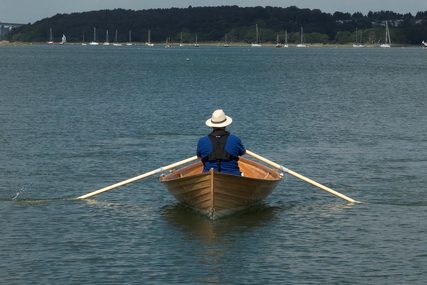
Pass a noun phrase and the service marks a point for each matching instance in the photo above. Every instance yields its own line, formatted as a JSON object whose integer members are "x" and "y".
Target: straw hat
{"x": 218, "y": 119}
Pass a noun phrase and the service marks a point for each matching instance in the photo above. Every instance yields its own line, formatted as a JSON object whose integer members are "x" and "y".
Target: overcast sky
{"x": 24, "y": 11}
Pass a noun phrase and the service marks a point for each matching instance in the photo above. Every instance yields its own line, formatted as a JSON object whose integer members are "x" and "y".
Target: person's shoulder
{"x": 203, "y": 139}
{"x": 234, "y": 139}
{"x": 233, "y": 136}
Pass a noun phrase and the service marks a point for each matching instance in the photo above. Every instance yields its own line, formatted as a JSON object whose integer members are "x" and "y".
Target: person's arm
{"x": 241, "y": 148}
{"x": 198, "y": 150}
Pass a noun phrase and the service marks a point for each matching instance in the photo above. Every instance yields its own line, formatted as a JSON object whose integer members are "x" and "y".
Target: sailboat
{"x": 226, "y": 41}
{"x": 424, "y": 44}
{"x": 107, "y": 40}
{"x": 50, "y": 42}
{"x": 94, "y": 42}
{"x": 358, "y": 44}
{"x": 387, "y": 43}
{"x": 116, "y": 43}
{"x": 167, "y": 44}
{"x": 149, "y": 43}
{"x": 129, "y": 43}
{"x": 181, "y": 43}
{"x": 286, "y": 39}
{"x": 278, "y": 45}
{"x": 83, "y": 41}
{"x": 196, "y": 44}
{"x": 258, "y": 42}
{"x": 302, "y": 45}
{"x": 63, "y": 39}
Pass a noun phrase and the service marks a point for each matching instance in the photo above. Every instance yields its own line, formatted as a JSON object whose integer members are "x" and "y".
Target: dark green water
{"x": 74, "y": 119}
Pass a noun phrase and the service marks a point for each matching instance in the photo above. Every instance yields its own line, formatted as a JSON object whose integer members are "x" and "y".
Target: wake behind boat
{"x": 217, "y": 194}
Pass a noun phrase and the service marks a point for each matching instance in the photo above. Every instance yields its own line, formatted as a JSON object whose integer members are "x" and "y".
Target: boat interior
{"x": 248, "y": 167}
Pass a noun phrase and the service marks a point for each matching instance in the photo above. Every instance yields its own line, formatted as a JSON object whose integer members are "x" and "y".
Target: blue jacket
{"x": 233, "y": 146}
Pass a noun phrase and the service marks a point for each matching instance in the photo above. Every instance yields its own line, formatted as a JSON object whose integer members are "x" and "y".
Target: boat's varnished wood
{"x": 215, "y": 192}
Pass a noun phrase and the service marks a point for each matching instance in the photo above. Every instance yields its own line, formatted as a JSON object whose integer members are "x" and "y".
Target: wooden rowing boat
{"x": 218, "y": 194}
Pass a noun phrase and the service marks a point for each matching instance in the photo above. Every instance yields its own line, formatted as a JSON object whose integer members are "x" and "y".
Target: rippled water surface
{"x": 74, "y": 119}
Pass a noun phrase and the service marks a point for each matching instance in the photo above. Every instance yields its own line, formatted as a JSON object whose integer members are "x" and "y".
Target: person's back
{"x": 220, "y": 150}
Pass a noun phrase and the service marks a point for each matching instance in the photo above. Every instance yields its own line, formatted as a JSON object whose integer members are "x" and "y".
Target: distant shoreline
{"x": 215, "y": 44}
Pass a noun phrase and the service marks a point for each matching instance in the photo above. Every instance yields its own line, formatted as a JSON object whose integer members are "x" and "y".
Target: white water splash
{"x": 21, "y": 191}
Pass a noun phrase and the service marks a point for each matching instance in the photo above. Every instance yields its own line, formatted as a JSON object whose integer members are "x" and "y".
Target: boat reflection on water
{"x": 209, "y": 230}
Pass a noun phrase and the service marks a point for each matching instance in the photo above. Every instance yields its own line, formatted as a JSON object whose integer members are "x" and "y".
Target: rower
{"x": 220, "y": 149}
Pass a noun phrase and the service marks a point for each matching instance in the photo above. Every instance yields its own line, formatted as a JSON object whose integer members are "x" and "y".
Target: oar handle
{"x": 297, "y": 175}
{"x": 139, "y": 177}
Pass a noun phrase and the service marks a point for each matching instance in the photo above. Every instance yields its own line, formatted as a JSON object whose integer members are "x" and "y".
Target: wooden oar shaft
{"x": 139, "y": 177}
{"x": 297, "y": 175}
{"x": 259, "y": 157}
{"x": 327, "y": 189}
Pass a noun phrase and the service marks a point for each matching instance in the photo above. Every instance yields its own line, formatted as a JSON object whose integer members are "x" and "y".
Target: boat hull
{"x": 217, "y": 194}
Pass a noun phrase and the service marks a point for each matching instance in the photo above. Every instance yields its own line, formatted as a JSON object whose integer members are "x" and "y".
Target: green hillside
{"x": 212, "y": 23}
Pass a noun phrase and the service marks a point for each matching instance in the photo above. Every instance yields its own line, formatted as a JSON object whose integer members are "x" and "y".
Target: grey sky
{"x": 24, "y": 11}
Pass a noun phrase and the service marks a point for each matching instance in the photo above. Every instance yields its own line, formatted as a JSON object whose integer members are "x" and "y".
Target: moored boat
{"x": 217, "y": 194}
{"x": 50, "y": 42}
{"x": 387, "y": 42}
{"x": 302, "y": 44}
{"x": 258, "y": 40}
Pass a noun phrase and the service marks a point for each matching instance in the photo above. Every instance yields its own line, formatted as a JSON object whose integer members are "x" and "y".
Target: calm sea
{"x": 74, "y": 119}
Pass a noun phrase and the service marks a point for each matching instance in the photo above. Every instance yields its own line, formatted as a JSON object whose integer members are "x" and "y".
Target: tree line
{"x": 238, "y": 23}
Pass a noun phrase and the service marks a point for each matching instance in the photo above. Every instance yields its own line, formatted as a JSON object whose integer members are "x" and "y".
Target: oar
{"x": 297, "y": 175}
{"x": 139, "y": 177}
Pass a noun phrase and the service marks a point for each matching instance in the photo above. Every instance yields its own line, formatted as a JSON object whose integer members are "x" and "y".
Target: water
{"x": 74, "y": 119}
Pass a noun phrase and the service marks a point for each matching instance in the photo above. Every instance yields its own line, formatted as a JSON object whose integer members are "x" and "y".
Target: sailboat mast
{"x": 356, "y": 36}
{"x": 257, "y": 33}
{"x": 302, "y": 35}
{"x": 386, "y": 32}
